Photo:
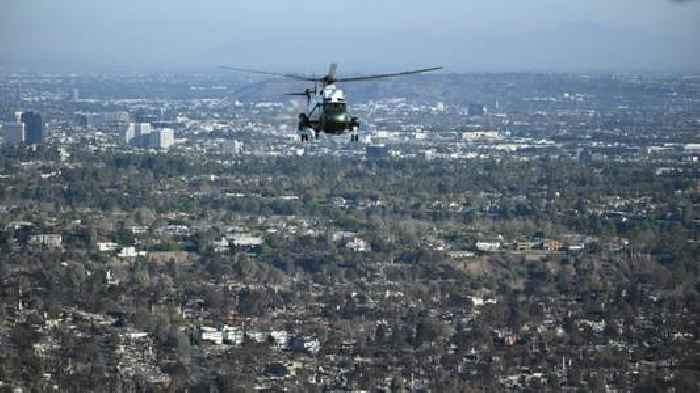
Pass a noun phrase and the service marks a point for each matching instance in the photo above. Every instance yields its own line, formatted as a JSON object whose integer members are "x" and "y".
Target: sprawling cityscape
{"x": 454, "y": 196}
{"x": 516, "y": 232}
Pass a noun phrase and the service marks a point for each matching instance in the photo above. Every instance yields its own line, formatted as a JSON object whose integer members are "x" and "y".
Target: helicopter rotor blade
{"x": 381, "y": 76}
{"x": 251, "y": 71}
{"x": 330, "y": 78}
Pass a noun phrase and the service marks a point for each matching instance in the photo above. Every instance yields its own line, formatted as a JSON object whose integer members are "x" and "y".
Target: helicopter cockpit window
{"x": 336, "y": 107}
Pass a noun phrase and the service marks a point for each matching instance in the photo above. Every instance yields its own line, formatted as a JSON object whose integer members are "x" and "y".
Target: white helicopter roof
{"x": 333, "y": 94}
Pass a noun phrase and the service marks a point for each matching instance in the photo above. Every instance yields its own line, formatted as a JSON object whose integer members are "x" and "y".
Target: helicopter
{"x": 329, "y": 113}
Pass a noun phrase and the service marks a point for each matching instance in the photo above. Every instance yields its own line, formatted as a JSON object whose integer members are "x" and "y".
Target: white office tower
{"x": 128, "y": 133}
{"x": 141, "y": 128}
{"x": 167, "y": 138}
{"x": 14, "y": 133}
{"x": 161, "y": 139}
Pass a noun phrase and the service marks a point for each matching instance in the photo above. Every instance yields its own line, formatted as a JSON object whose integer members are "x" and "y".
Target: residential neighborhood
{"x": 512, "y": 239}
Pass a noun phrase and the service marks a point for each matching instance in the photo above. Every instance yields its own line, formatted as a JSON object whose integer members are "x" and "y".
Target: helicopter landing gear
{"x": 355, "y": 129}
{"x": 305, "y": 135}
{"x": 304, "y": 129}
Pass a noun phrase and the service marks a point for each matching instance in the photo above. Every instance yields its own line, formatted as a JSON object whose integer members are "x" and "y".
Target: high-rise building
{"x": 142, "y": 135}
{"x": 142, "y": 128}
{"x": 159, "y": 139}
{"x": 115, "y": 121}
{"x": 128, "y": 133}
{"x": 164, "y": 138}
{"x": 139, "y": 134}
{"x": 14, "y": 133}
{"x": 33, "y": 128}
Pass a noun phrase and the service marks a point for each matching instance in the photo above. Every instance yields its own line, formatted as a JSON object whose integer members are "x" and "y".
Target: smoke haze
{"x": 131, "y": 35}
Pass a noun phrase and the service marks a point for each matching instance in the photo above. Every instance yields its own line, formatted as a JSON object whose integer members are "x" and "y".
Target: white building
{"x": 161, "y": 139}
{"x": 483, "y": 136}
{"x": 128, "y": 134}
{"x": 212, "y": 335}
{"x": 280, "y": 337}
{"x": 166, "y": 139}
{"x": 358, "y": 245}
{"x": 233, "y": 335}
{"x": 245, "y": 240}
{"x": 48, "y": 240}
{"x": 221, "y": 245}
{"x": 141, "y": 128}
{"x": 107, "y": 246}
{"x": 312, "y": 344}
{"x": 488, "y": 245}
{"x": 128, "y": 252}
{"x": 136, "y": 132}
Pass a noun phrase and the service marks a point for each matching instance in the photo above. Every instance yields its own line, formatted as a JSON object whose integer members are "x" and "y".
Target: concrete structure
{"x": 358, "y": 245}
{"x": 212, "y": 335}
{"x": 163, "y": 139}
{"x": 107, "y": 246}
{"x": 483, "y": 136}
{"x": 128, "y": 134}
{"x": 143, "y": 135}
{"x": 103, "y": 120}
{"x": 13, "y": 133}
{"x": 33, "y": 128}
{"x": 488, "y": 245}
{"x": 128, "y": 252}
{"x": 48, "y": 240}
{"x": 233, "y": 335}
{"x": 141, "y": 128}
{"x": 242, "y": 240}
{"x": 137, "y": 133}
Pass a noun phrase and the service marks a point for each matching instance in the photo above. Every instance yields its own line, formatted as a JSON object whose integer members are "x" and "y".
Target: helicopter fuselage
{"x": 334, "y": 118}
{"x": 329, "y": 114}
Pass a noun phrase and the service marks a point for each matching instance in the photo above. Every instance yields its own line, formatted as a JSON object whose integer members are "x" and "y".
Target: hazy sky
{"x": 362, "y": 35}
